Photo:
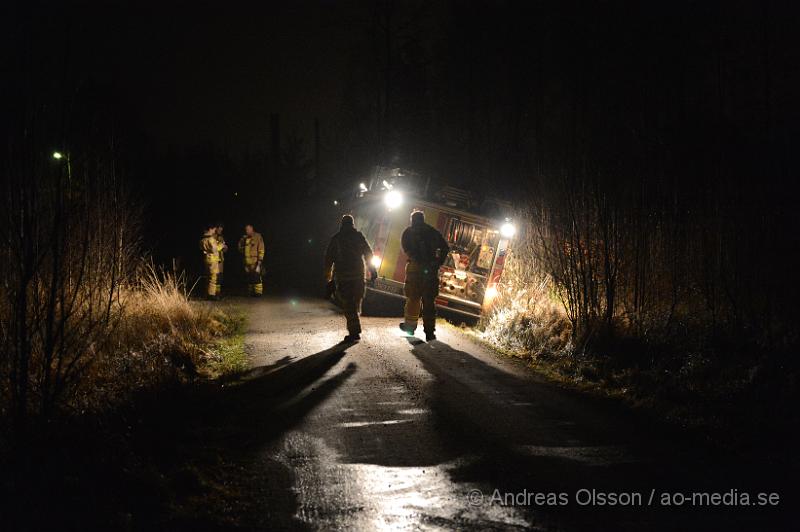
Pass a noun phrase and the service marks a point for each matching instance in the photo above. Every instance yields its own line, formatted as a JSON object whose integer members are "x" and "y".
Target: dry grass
{"x": 527, "y": 318}
{"x": 160, "y": 336}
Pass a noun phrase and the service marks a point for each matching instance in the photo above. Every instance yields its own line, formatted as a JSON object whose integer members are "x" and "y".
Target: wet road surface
{"x": 397, "y": 434}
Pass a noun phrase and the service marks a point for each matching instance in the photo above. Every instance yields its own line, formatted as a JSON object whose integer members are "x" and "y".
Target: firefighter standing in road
{"x": 427, "y": 250}
{"x": 251, "y": 245}
{"x": 344, "y": 260}
{"x": 211, "y": 253}
{"x": 223, "y": 248}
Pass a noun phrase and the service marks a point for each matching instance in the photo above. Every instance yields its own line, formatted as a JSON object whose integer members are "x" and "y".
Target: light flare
{"x": 508, "y": 230}
{"x": 393, "y": 199}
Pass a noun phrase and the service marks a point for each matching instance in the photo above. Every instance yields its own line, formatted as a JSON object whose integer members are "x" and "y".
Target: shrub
{"x": 527, "y": 315}
{"x": 159, "y": 337}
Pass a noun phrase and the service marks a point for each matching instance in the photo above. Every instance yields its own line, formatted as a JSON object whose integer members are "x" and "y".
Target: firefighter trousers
{"x": 255, "y": 285}
{"x": 220, "y": 273}
{"x": 421, "y": 289}
{"x": 351, "y": 294}
{"x": 212, "y": 271}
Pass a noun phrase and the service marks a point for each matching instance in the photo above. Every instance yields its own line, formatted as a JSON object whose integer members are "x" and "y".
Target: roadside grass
{"x": 227, "y": 357}
{"x": 160, "y": 337}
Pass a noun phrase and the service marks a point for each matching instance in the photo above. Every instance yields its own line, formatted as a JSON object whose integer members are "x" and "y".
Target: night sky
{"x": 216, "y": 74}
{"x": 195, "y": 72}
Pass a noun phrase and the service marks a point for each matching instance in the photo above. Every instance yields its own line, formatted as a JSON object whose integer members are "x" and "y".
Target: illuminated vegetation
{"x": 599, "y": 295}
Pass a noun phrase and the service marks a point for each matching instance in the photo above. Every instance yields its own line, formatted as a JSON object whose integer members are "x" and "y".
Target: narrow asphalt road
{"x": 397, "y": 434}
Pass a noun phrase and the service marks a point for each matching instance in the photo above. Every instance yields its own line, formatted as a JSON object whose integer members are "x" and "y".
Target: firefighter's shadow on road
{"x": 269, "y": 400}
{"x": 226, "y": 432}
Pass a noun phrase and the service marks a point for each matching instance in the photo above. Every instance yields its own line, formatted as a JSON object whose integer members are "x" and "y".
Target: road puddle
{"x": 356, "y": 424}
{"x": 602, "y": 455}
{"x": 354, "y": 496}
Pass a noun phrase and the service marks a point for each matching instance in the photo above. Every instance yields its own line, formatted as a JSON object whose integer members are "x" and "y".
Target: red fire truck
{"x": 478, "y": 231}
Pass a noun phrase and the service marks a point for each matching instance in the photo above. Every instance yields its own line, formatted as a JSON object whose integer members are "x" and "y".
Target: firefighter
{"x": 251, "y": 245}
{"x": 223, "y": 248}
{"x": 344, "y": 261}
{"x": 427, "y": 250}
{"x": 211, "y": 253}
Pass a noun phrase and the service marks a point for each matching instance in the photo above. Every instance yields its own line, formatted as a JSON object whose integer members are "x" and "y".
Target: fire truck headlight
{"x": 393, "y": 199}
{"x": 491, "y": 293}
{"x": 508, "y": 230}
{"x": 376, "y": 261}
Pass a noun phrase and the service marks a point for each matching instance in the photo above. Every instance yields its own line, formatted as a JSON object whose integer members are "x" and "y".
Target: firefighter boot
{"x": 407, "y": 328}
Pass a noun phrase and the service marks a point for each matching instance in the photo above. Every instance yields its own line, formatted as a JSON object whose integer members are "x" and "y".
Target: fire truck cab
{"x": 476, "y": 230}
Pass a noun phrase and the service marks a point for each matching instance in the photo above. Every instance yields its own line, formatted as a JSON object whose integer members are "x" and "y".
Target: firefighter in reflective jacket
{"x": 344, "y": 261}
{"x": 251, "y": 245}
{"x": 427, "y": 250}
{"x": 211, "y": 252}
{"x": 223, "y": 248}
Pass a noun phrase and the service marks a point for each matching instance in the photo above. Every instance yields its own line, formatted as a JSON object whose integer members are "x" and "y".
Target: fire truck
{"x": 478, "y": 231}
